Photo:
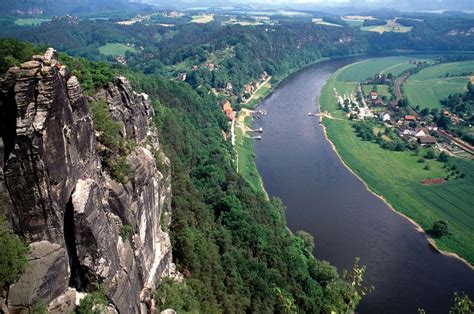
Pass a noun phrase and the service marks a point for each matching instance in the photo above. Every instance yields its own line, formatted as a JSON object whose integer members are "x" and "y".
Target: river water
{"x": 324, "y": 198}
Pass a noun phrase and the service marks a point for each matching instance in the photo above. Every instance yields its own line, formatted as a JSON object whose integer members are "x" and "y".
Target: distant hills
{"x": 58, "y": 7}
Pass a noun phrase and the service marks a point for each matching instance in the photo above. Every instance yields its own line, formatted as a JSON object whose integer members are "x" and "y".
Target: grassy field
{"x": 397, "y": 176}
{"x": 321, "y": 22}
{"x": 259, "y": 95}
{"x": 30, "y": 22}
{"x": 430, "y": 85}
{"x": 202, "y": 19}
{"x": 246, "y": 156}
{"x": 363, "y": 70}
{"x": 391, "y": 26}
{"x": 353, "y": 22}
{"x": 382, "y": 90}
{"x": 115, "y": 49}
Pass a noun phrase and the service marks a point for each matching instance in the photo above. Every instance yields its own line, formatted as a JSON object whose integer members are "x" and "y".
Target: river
{"x": 324, "y": 198}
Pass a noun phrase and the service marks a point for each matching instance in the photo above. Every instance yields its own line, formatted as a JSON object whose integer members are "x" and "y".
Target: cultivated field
{"x": 321, "y": 22}
{"x": 397, "y": 176}
{"x": 30, "y": 22}
{"x": 363, "y": 70}
{"x": 430, "y": 85}
{"x": 115, "y": 49}
{"x": 391, "y": 26}
{"x": 202, "y": 19}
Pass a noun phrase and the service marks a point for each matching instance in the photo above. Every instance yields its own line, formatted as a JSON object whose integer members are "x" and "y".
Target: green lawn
{"x": 397, "y": 175}
{"x": 363, "y": 70}
{"x": 382, "y": 90}
{"x": 30, "y": 22}
{"x": 246, "y": 157}
{"x": 430, "y": 85}
{"x": 115, "y": 49}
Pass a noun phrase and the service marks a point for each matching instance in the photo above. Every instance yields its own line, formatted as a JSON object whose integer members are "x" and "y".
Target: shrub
{"x": 108, "y": 128}
{"x": 430, "y": 154}
{"x": 443, "y": 157}
{"x": 440, "y": 229}
{"x": 94, "y": 303}
{"x": 13, "y": 255}
{"x": 121, "y": 170}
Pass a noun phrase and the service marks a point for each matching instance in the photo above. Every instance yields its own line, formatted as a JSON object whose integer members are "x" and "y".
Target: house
{"x": 195, "y": 67}
{"x": 393, "y": 104}
{"x": 427, "y": 140}
{"x": 446, "y": 112}
{"x": 263, "y": 76}
{"x": 373, "y": 95}
{"x": 408, "y": 138}
{"x": 421, "y": 132}
{"x": 384, "y": 116}
{"x": 405, "y": 131}
{"x": 211, "y": 66}
{"x": 229, "y": 87}
{"x": 227, "y": 107}
{"x": 181, "y": 77}
{"x": 410, "y": 118}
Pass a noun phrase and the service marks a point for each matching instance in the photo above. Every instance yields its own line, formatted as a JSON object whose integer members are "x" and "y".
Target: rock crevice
{"x": 84, "y": 228}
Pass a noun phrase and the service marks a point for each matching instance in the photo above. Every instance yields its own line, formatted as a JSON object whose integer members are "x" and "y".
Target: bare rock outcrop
{"x": 84, "y": 228}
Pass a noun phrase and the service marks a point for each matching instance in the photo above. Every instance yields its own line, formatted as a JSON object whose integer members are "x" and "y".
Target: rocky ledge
{"x": 84, "y": 228}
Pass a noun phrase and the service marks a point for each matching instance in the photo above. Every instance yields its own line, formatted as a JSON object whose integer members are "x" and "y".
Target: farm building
{"x": 410, "y": 118}
{"x": 427, "y": 140}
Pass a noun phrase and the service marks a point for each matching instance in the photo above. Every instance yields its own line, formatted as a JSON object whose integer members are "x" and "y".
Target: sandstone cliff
{"x": 84, "y": 228}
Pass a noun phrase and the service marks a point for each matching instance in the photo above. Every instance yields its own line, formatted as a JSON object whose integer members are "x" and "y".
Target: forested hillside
{"x": 231, "y": 244}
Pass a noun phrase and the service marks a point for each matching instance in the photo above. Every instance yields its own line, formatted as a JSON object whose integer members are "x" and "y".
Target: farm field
{"x": 391, "y": 26}
{"x": 427, "y": 87}
{"x": 115, "y": 49}
{"x": 397, "y": 177}
{"x": 353, "y": 22}
{"x": 366, "y": 69}
{"x": 31, "y": 21}
{"x": 202, "y": 19}
{"x": 321, "y": 22}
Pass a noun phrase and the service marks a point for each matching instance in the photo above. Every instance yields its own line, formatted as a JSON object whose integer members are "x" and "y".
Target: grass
{"x": 353, "y": 23}
{"x": 397, "y": 175}
{"x": 382, "y": 90}
{"x": 321, "y": 22}
{"x": 115, "y": 49}
{"x": 391, "y": 26}
{"x": 363, "y": 70}
{"x": 429, "y": 86}
{"x": 259, "y": 95}
{"x": 246, "y": 156}
{"x": 202, "y": 19}
{"x": 31, "y": 22}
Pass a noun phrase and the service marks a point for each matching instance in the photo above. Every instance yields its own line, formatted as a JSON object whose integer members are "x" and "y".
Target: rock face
{"x": 84, "y": 228}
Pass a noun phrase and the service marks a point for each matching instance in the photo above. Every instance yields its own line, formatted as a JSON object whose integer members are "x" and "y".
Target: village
{"x": 411, "y": 127}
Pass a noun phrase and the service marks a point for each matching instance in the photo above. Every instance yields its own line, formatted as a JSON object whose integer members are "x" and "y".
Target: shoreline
{"x": 429, "y": 239}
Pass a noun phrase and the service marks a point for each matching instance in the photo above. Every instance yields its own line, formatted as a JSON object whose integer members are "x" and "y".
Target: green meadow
{"x": 397, "y": 176}
{"x": 366, "y": 69}
{"x": 433, "y": 84}
{"x": 246, "y": 156}
{"x": 115, "y": 50}
{"x": 31, "y": 21}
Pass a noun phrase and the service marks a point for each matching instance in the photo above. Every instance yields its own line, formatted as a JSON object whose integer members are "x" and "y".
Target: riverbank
{"x": 395, "y": 177}
{"x": 245, "y": 156}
